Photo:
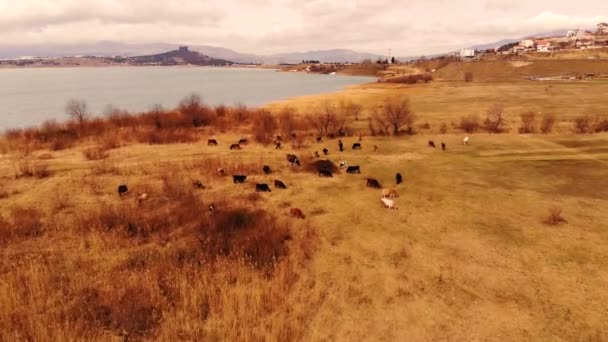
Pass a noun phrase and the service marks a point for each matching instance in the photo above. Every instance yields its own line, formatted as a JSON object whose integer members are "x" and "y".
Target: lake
{"x": 31, "y": 96}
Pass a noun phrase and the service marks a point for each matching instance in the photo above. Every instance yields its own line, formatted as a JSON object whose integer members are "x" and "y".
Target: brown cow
{"x": 297, "y": 213}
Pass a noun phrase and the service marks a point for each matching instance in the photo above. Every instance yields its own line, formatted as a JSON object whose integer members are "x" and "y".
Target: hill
{"x": 181, "y": 56}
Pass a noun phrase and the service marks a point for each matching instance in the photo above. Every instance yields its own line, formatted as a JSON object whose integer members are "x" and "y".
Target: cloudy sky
{"x": 412, "y": 27}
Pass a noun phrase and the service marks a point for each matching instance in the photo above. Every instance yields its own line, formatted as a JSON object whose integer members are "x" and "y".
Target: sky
{"x": 408, "y": 28}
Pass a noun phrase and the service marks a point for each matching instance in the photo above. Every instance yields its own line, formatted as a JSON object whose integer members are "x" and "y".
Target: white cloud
{"x": 267, "y": 26}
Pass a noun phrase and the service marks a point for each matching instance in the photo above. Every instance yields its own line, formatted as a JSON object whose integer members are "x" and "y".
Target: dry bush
{"x": 496, "y": 121}
{"x": 317, "y": 165}
{"x": 167, "y": 136}
{"x": 21, "y": 223}
{"x": 30, "y": 169}
{"x": 470, "y": 124}
{"x": 425, "y": 125}
{"x": 443, "y": 128}
{"x": 547, "y": 123}
{"x": 95, "y": 153}
{"x": 395, "y": 114}
{"x": 195, "y": 111}
{"x": 555, "y": 217}
{"x": 468, "y": 76}
{"x": 600, "y": 125}
{"x": 410, "y": 79}
{"x": 583, "y": 124}
{"x": 528, "y": 123}
{"x": 264, "y": 127}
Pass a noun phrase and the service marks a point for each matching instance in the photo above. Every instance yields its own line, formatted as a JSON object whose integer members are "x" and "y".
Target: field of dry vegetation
{"x": 501, "y": 239}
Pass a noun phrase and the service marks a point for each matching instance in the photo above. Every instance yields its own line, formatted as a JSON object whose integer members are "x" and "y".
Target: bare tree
{"x": 496, "y": 120}
{"x": 287, "y": 120}
{"x": 396, "y": 113}
{"x": 193, "y": 108}
{"x": 325, "y": 121}
{"x": 77, "y": 110}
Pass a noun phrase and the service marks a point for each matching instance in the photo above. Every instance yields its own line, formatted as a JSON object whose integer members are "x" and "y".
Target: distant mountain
{"x": 327, "y": 56}
{"x": 109, "y": 48}
{"x": 178, "y": 57}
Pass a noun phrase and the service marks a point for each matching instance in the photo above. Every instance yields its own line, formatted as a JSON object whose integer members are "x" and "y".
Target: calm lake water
{"x": 31, "y": 96}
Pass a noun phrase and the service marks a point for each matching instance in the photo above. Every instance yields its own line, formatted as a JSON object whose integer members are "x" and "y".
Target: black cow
{"x": 212, "y": 142}
{"x": 443, "y": 146}
{"x": 431, "y": 143}
{"x": 235, "y": 147}
{"x": 243, "y": 141}
{"x": 293, "y": 159}
{"x": 279, "y": 185}
{"x": 356, "y": 146}
{"x": 372, "y": 183}
{"x": 353, "y": 169}
{"x": 122, "y": 190}
{"x": 279, "y": 138}
{"x": 324, "y": 173}
{"x": 325, "y": 151}
{"x": 277, "y": 146}
{"x": 398, "y": 178}
{"x": 262, "y": 187}
{"x": 197, "y": 184}
{"x": 340, "y": 145}
{"x": 319, "y": 139}
{"x": 266, "y": 169}
{"x": 238, "y": 178}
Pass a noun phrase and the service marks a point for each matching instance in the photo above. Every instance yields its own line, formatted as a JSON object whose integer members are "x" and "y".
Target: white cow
{"x": 465, "y": 141}
{"x": 343, "y": 165}
{"x": 389, "y": 203}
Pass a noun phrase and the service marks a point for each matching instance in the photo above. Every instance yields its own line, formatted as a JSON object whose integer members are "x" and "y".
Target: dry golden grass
{"x": 466, "y": 256}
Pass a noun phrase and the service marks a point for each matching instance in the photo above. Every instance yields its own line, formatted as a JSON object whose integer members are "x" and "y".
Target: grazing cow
{"x": 431, "y": 143}
{"x": 277, "y": 146}
{"x": 341, "y": 145}
{"x": 293, "y": 160}
{"x": 197, "y": 184}
{"x": 317, "y": 155}
{"x": 319, "y": 139}
{"x": 398, "y": 178}
{"x": 343, "y": 165}
{"x": 243, "y": 141}
{"x": 389, "y": 203}
{"x": 443, "y": 146}
{"x": 297, "y": 213}
{"x": 235, "y": 147}
{"x": 372, "y": 183}
{"x": 212, "y": 142}
{"x": 324, "y": 173}
{"x": 279, "y": 185}
{"x": 389, "y": 193}
{"x": 122, "y": 190}
{"x": 465, "y": 141}
{"x": 353, "y": 169}
{"x": 220, "y": 171}
{"x": 266, "y": 169}
{"x": 356, "y": 146}
{"x": 325, "y": 151}
{"x": 262, "y": 187}
{"x": 238, "y": 179}
{"x": 278, "y": 138}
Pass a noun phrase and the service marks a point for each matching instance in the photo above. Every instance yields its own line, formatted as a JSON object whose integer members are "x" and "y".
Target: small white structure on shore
{"x": 467, "y": 53}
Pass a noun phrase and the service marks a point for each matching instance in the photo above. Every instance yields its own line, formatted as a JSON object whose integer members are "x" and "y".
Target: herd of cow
{"x": 388, "y": 194}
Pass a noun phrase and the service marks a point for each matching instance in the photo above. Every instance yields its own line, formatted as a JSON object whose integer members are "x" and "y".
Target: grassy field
{"x": 466, "y": 257}
{"x": 469, "y": 254}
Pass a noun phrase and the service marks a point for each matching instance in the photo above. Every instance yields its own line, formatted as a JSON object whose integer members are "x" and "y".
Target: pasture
{"x": 467, "y": 256}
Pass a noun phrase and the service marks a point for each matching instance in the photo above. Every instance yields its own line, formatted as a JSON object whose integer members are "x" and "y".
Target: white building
{"x": 572, "y": 34}
{"x": 467, "y": 53}
{"x": 602, "y": 28}
{"x": 527, "y": 43}
{"x": 543, "y": 46}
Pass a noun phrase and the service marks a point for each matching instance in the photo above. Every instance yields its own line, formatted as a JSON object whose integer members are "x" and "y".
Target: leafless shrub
{"x": 22, "y": 223}
{"x": 395, "y": 114}
{"x": 195, "y": 111}
{"x": 528, "y": 123}
{"x": 496, "y": 121}
{"x": 29, "y": 169}
{"x": 555, "y": 217}
{"x": 443, "y": 128}
{"x": 95, "y": 153}
{"x": 547, "y": 123}
{"x": 470, "y": 124}
{"x": 264, "y": 126}
{"x": 77, "y": 110}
